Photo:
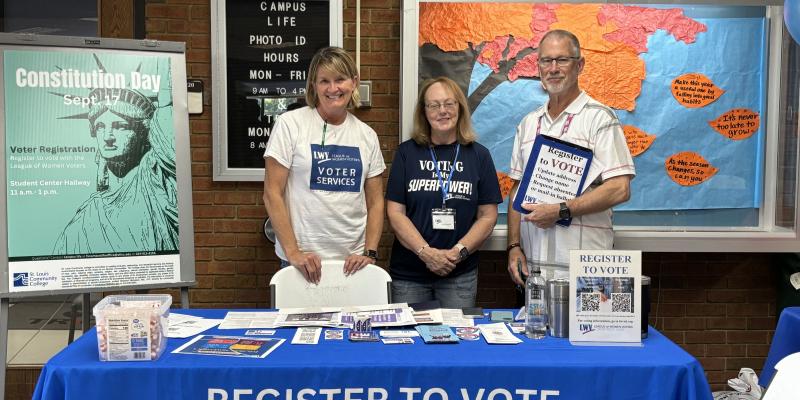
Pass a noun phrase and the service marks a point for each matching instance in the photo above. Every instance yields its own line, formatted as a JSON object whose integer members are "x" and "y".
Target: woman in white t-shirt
{"x": 323, "y": 188}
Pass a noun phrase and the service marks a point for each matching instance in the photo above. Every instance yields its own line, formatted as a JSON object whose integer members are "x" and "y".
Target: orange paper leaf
{"x": 638, "y": 140}
{"x": 695, "y": 90}
{"x": 689, "y": 168}
{"x": 737, "y": 124}
{"x": 506, "y": 183}
{"x": 601, "y": 82}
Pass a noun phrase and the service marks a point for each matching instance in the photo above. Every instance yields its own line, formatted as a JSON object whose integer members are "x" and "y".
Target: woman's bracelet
{"x": 512, "y": 245}
{"x": 422, "y": 248}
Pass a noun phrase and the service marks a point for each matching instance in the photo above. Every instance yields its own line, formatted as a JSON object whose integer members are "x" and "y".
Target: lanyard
{"x": 324, "y": 130}
{"x": 564, "y": 129}
{"x": 444, "y": 186}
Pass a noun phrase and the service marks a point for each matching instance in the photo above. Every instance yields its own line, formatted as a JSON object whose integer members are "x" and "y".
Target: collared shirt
{"x": 594, "y": 126}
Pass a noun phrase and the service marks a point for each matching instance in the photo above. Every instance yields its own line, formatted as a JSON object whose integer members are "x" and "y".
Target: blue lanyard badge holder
{"x": 444, "y": 218}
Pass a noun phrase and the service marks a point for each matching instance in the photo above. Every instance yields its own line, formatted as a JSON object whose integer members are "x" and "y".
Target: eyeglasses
{"x": 560, "y": 61}
{"x": 448, "y": 105}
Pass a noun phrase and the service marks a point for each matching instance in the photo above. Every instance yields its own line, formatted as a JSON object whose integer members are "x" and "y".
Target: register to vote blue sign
{"x": 336, "y": 168}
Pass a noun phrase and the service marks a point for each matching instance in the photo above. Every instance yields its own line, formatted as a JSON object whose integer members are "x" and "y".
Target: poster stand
{"x": 66, "y": 167}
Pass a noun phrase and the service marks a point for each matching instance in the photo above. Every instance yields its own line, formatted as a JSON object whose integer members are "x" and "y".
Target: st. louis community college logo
{"x": 20, "y": 279}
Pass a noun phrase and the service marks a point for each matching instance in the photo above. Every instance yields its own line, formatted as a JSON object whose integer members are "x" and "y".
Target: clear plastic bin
{"x": 132, "y": 327}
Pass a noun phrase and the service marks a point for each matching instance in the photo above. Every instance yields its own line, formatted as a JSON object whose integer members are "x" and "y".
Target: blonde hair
{"x": 422, "y": 128}
{"x": 334, "y": 59}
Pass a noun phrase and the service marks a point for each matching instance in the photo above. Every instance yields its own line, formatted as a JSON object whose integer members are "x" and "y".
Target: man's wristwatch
{"x": 373, "y": 254}
{"x": 564, "y": 212}
{"x": 463, "y": 252}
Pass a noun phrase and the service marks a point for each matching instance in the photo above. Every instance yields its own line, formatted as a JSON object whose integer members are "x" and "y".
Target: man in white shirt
{"x": 570, "y": 115}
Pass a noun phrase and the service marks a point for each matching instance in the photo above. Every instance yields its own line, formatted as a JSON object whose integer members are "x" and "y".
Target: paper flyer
{"x": 605, "y": 297}
{"x": 90, "y": 169}
{"x": 232, "y": 346}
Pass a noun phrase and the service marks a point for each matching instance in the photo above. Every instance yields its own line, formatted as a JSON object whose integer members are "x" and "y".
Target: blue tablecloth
{"x": 785, "y": 341}
{"x": 550, "y": 368}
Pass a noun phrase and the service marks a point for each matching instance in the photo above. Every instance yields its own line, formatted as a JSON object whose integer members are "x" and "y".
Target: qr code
{"x": 621, "y": 302}
{"x": 590, "y": 301}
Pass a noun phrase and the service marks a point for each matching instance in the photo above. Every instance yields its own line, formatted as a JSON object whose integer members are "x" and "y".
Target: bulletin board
{"x": 689, "y": 84}
{"x": 261, "y": 51}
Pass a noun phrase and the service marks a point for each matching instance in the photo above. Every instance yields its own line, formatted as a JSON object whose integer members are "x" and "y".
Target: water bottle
{"x": 535, "y": 306}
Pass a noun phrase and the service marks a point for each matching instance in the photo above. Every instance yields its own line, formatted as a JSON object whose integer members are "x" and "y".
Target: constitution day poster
{"x": 90, "y": 169}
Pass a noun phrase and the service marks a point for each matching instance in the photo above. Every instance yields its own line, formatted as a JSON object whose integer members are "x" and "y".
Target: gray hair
{"x": 562, "y": 34}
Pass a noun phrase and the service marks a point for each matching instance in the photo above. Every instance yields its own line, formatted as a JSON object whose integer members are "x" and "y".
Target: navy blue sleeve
{"x": 395, "y": 186}
{"x": 488, "y": 186}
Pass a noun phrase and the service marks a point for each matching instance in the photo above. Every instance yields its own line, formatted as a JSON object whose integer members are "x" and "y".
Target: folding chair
{"x": 369, "y": 286}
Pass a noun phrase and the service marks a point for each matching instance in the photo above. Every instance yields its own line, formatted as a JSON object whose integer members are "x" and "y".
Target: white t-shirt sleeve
{"x": 280, "y": 145}
{"x": 376, "y": 163}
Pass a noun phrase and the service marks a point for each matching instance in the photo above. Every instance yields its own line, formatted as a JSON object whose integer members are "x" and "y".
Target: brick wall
{"x": 719, "y": 307}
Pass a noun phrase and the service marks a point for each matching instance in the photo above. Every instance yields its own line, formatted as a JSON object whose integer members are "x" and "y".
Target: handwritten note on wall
{"x": 689, "y": 168}
{"x": 638, "y": 140}
{"x": 695, "y": 90}
{"x": 737, "y": 124}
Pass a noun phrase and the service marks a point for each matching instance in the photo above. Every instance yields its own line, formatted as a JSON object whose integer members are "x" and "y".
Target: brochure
{"x": 556, "y": 172}
{"x": 432, "y": 316}
{"x": 605, "y": 297}
{"x": 327, "y": 318}
{"x": 249, "y": 320}
{"x": 498, "y": 333}
{"x": 437, "y": 334}
{"x": 306, "y": 335}
{"x": 455, "y": 318}
{"x": 231, "y": 346}
{"x": 190, "y": 327}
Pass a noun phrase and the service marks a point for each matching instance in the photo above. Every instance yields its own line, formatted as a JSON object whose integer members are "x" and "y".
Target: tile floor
{"x": 32, "y": 348}
{"x": 38, "y": 329}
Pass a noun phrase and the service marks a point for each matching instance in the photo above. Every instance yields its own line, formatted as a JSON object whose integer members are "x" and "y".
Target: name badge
{"x": 444, "y": 218}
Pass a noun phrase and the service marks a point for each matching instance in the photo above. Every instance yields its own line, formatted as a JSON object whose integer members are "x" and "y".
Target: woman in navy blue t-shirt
{"x": 441, "y": 200}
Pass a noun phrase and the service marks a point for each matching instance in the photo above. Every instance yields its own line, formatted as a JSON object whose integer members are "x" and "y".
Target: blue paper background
{"x": 731, "y": 53}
